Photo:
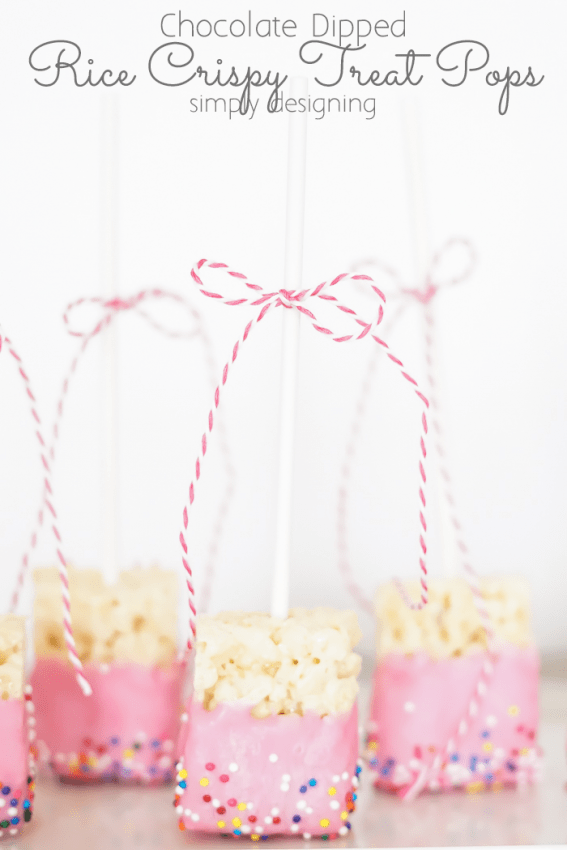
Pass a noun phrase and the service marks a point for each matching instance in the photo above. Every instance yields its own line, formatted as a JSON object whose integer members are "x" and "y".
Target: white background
{"x": 194, "y": 186}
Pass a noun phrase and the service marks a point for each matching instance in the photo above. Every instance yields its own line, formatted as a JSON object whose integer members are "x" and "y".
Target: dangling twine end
{"x": 84, "y": 685}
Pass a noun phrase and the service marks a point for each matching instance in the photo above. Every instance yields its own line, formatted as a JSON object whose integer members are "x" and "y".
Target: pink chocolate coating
{"x": 126, "y": 730}
{"x": 418, "y": 703}
{"x": 16, "y": 788}
{"x": 282, "y": 774}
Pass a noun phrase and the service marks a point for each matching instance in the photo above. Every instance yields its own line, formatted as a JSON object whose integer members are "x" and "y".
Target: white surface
{"x": 194, "y": 186}
{"x": 105, "y": 817}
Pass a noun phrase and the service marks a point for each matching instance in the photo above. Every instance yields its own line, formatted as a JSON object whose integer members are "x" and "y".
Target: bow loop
{"x": 448, "y": 257}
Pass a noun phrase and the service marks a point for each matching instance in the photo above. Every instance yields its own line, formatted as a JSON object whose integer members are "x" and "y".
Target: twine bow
{"x": 270, "y": 300}
{"x": 112, "y": 307}
{"x": 432, "y": 281}
{"x": 291, "y": 299}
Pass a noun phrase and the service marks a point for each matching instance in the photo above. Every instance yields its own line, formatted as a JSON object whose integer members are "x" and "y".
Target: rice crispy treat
{"x": 270, "y": 741}
{"x": 134, "y": 620}
{"x": 447, "y": 711}
{"x": 126, "y": 637}
{"x": 449, "y": 625}
{"x": 12, "y": 656}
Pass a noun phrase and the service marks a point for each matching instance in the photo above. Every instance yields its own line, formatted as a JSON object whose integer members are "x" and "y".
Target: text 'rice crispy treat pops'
{"x": 17, "y": 763}
{"x": 270, "y": 739}
{"x": 447, "y": 710}
{"x": 126, "y": 637}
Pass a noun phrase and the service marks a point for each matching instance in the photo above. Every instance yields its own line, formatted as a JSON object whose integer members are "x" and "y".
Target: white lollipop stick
{"x": 109, "y": 286}
{"x": 422, "y": 258}
{"x": 293, "y": 272}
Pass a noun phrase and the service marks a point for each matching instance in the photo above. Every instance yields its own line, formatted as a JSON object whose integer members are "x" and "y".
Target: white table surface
{"x": 114, "y": 818}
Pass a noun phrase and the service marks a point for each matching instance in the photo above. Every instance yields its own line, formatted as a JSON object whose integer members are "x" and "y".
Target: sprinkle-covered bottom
{"x": 17, "y": 763}
{"x": 16, "y": 807}
{"x": 124, "y": 732}
{"x": 140, "y": 761}
{"x": 240, "y": 776}
{"x": 429, "y": 730}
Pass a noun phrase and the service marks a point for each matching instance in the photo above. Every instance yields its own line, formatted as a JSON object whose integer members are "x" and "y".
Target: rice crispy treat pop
{"x": 127, "y": 632}
{"x": 17, "y": 762}
{"x": 450, "y": 708}
{"x": 455, "y": 687}
{"x": 270, "y": 740}
{"x": 126, "y": 637}
{"x": 269, "y": 744}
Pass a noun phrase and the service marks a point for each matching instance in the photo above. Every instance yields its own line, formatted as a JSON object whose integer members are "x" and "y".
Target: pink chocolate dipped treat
{"x": 446, "y": 711}
{"x": 270, "y": 742}
{"x": 126, "y": 639}
{"x": 126, "y": 730}
{"x": 17, "y": 763}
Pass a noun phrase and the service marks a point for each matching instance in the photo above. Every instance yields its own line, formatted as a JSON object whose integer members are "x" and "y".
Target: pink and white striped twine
{"x": 5, "y": 343}
{"x": 267, "y": 301}
{"x": 424, "y": 295}
{"x": 110, "y": 310}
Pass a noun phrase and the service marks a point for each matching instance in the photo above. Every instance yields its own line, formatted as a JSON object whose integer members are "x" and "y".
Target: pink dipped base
{"x": 281, "y": 775}
{"x": 423, "y": 735}
{"x": 125, "y": 731}
{"x": 17, "y": 768}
